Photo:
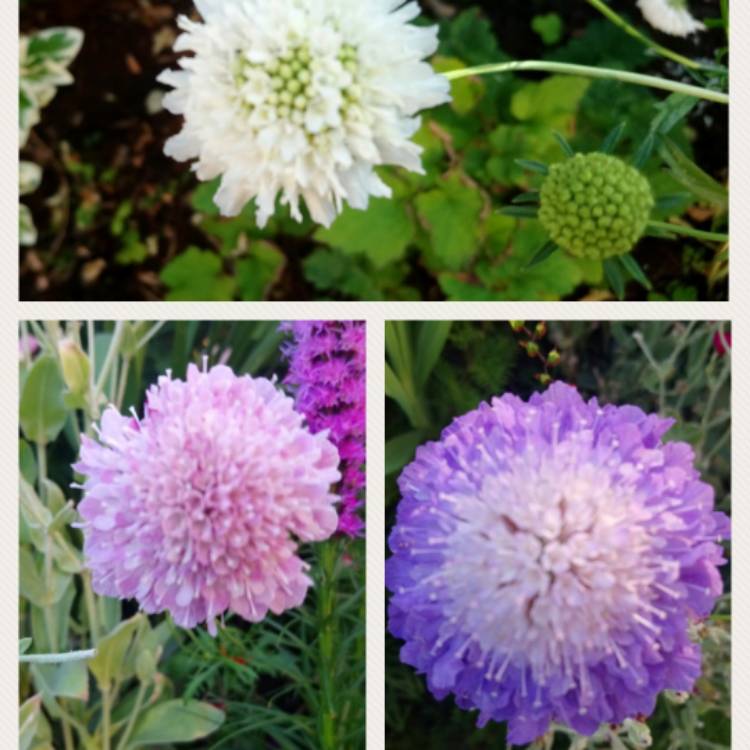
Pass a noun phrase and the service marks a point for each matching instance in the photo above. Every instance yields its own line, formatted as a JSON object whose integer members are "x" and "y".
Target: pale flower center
{"x": 545, "y": 562}
{"x": 315, "y": 92}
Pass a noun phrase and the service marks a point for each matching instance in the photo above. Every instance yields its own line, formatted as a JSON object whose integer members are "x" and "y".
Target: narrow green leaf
{"x": 176, "y": 721}
{"x": 23, "y": 645}
{"x": 673, "y": 109}
{"x": 610, "y": 142}
{"x": 613, "y": 272}
{"x": 531, "y": 197}
{"x": 547, "y": 250}
{"x": 520, "y": 212}
{"x": 564, "y": 145}
{"x": 633, "y": 268}
{"x": 533, "y": 166}
{"x": 691, "y": 176}
{"x": 431, "y": 340}
{"x": 643, "y": 154}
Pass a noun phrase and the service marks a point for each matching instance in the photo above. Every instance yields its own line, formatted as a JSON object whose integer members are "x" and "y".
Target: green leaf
{"x": 691, "y": 176}
{"x": 27, "y": 233}
{"x": 28, "y": 720}
{"x": 175, "y": 721}
{"x": 533, "y": 166}
{"x": 67, "y": 680}
{"x": 29, "y": 177}
{"x": 341, "y": 274}
{"x": 258, "y": 273}
{"x": 400, "y": 450}
{"x": 643, "y": 154}
{"x": 382, "y": 233}
{"x": 633, "y": 267}
{"x": 431, "y": 340}
{"x": 27, "y": 461}
{"x": 60, "y": 44}
{"x": 613, "y": 272}
{"x": 613, "y": 138}
{"x": 530, "y": 197}
{"x": 33, "y": 586}
{"x": 548, "y": 249}
{"x": 549, "y": 27}
{"x": 520, "y": 212}
{"x": 451, "y": 213}
{"x": 673, "y": 109}
{"x": 42, "y": 410}
{"x": 553, "y": 101}
{"x": 466, "y": 93}
{"x": 567, "y": 149}
{"x": 196, "y": 275}
{"x": 23, "y": 645}
{"x": 111, "y": 651}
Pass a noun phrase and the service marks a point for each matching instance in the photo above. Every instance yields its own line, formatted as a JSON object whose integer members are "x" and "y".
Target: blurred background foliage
{"x": 265, "y": 685}
{"x": 436, "y": 371}
{"x": 118, "y": 220}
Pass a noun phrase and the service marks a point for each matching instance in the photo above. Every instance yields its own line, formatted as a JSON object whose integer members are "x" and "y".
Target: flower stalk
{"x": 588, "y": 71}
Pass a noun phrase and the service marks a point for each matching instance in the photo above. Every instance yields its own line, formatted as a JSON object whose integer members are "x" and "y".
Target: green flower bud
{"x": 75, "y": 366}
{"x": 553, "y": 358}
{"x": 532, "y": 349}
{"x": 595, "y": 205}
{"x": 517, "y": 325}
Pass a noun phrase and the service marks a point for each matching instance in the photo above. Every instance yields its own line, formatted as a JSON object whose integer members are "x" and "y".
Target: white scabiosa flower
{"x": 302, "y": 98}
{"x": 670, "y": 16}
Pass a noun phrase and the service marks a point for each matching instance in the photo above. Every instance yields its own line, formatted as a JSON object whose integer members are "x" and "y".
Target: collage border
{"x": 737, "y": 311}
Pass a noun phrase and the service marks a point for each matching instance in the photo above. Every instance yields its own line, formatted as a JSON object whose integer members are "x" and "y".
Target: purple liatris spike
{"x": 327, "y": 374}
{"x": 548, "y": 559}
{"x": 196, "y": 508}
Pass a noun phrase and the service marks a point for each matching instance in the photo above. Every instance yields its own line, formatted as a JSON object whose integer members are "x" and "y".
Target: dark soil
{"x": 103, "y": 121}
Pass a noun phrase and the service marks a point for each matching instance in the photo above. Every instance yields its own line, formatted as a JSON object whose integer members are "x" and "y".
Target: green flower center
{"x": 595, "y": 205}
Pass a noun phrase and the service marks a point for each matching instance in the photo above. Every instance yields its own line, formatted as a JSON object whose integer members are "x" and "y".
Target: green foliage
{"x": 44, "y": 61}
{"x": 295, "y": 681}
{"x": 672, "y": 368}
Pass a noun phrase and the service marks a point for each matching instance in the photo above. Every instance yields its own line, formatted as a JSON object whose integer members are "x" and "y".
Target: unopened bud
{"x": 76, "y": 368}
{"x": 638, "y": 733}
{"x": 544, "y": 378}
{"x": 517, "y": 325}
{"x": 553, "y": 358}
{"x": 532, "y": 349}
{"x": 540, "y": 330}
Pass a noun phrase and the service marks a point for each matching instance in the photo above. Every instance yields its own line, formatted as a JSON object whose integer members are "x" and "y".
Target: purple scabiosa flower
{"x": 548, "y": 559}
{"x": 195, "y": 509}
{"x": 327, "y": 373}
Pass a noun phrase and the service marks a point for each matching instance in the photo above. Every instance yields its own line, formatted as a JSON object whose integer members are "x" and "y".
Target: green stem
{"x": 688, "y": 231}
{"x": 57, "y": 658}
{"x": 619, "y": 21}
{"x": 327, "y": 645}
{"x": 123, "y": 382}
{"x": 588, "y": 71}
{"x": 106, "y": 719}
{"x": 88, "y": 594}
{"x": 123, "y": 743}
{"x": 109, "y": 361}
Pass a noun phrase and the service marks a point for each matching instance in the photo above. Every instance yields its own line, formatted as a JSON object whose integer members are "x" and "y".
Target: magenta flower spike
{"x": 196, "y": 509}
{"x": 548, "y": 560}
{"x": 327, "y": 372}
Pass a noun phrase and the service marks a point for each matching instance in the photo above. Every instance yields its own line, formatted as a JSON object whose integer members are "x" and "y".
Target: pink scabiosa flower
{"x": 327, "y": 372}
{"x": 196, "y": 508}
{"x": 548, "y": 560}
